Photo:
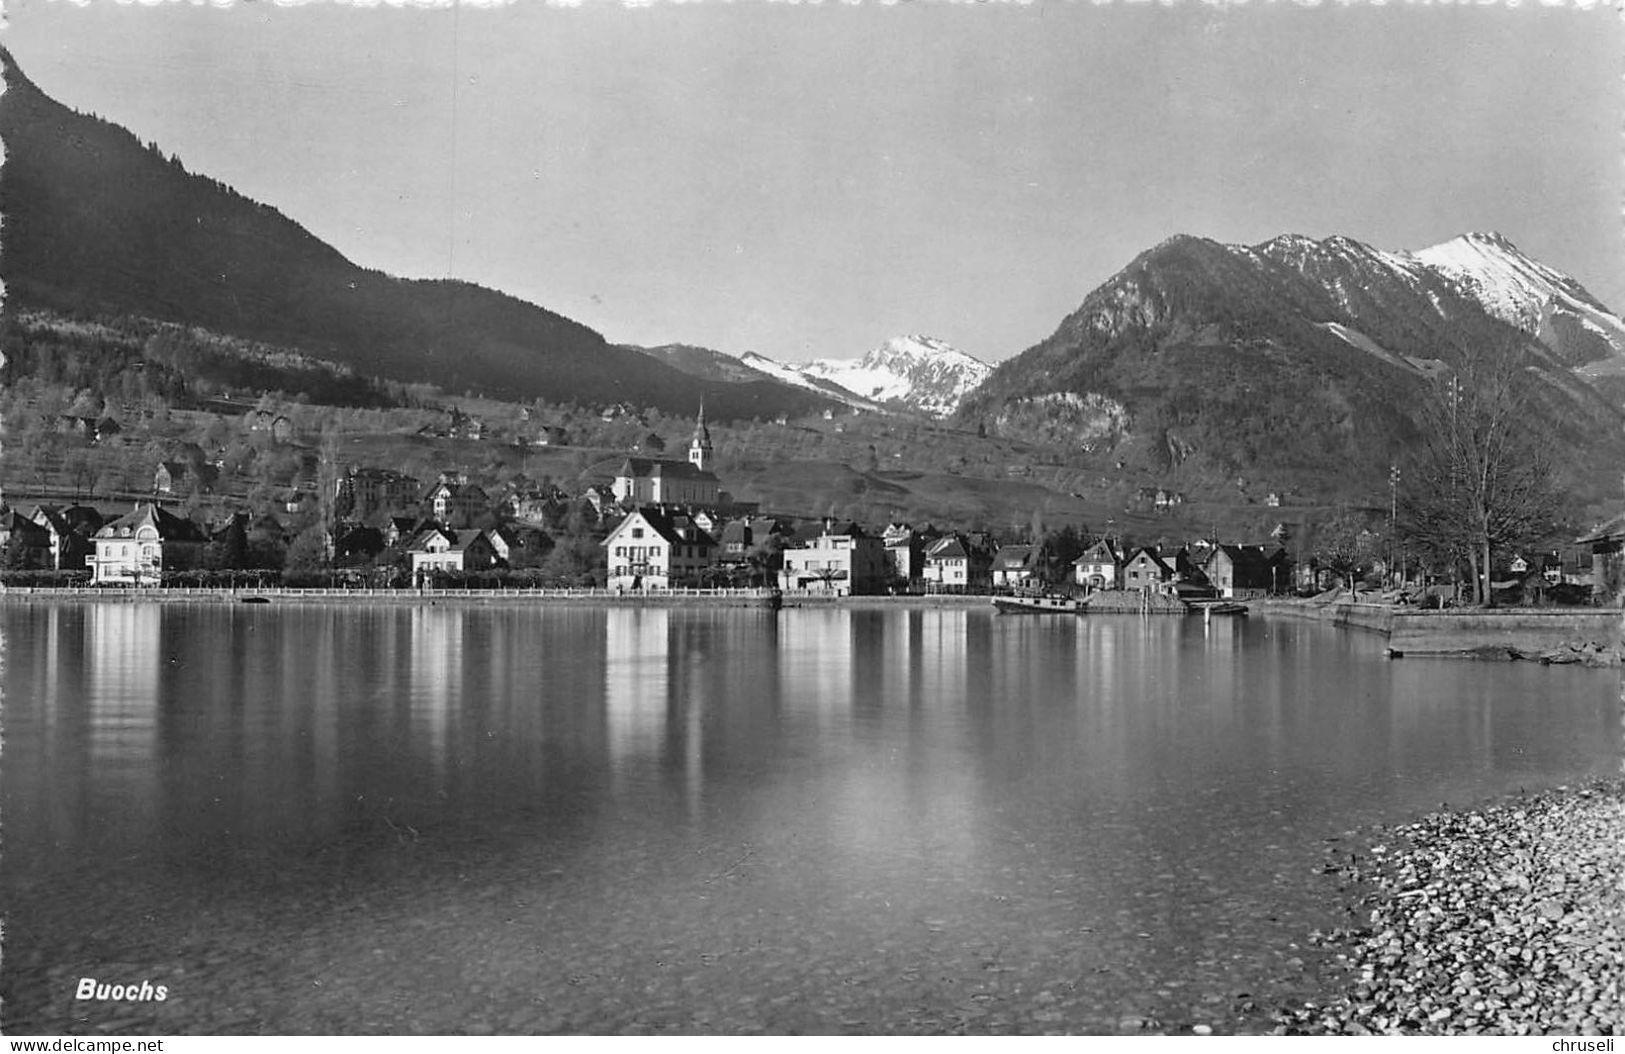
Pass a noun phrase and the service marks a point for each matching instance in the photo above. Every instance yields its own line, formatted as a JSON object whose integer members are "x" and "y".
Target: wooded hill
{"x": 100, "y": 224}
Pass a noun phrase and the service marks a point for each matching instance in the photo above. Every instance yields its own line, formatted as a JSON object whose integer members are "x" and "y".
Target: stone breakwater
{"x": 1554, "y": 636}
{"x": 1505, "y": 920}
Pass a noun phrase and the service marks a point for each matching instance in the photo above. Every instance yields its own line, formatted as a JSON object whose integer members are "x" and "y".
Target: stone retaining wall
{"x": 1413, "y": 632}
{"x": 1133, "y": 602}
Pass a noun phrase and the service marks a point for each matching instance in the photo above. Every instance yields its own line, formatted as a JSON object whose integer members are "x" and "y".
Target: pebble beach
{"x": 1508, "y": 919}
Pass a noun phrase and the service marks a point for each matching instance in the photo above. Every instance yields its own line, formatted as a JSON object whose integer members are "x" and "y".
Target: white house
{"x": 1016, "y": 566}
{"x": 138, "y": 547}
{"x": 655, "y": 549}
{"x": 1100, "y": 567}
{"x": 954, "y": 562}
{"x": 443, "y": 549}
{"x": 842, "y": 560}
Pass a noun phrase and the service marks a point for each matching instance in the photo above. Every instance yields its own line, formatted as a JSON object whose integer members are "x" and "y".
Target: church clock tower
{"x": 699, "y": 448}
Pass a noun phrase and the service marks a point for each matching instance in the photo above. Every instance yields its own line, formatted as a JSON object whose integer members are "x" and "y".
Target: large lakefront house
{"x": 653, "y": 548}
{"x": 141, "y": 545}
{"x": 841, "y": 559}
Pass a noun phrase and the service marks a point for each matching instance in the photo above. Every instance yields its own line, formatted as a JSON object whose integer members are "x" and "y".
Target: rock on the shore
{"x": 1504, "y": 920}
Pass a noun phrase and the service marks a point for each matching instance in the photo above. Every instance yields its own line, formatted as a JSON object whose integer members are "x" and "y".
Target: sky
{"x": 808, "y": 179}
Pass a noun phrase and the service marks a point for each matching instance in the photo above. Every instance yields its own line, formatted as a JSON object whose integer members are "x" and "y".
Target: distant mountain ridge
{"x": 96, "y": 222}
{"x": 1299, "y": 352}
{"x": 912, "y": 374}
{"x": 917, "y": 373}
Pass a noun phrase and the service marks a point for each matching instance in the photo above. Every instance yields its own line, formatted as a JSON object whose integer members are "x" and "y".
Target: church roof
{"x": 650, "y": 468}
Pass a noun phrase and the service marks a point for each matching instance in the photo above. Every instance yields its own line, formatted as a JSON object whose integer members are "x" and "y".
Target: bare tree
{"x": 1481, "y": 477}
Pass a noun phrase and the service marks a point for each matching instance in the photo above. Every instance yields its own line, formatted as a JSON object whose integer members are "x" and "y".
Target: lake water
{"x": 447, "y": 819}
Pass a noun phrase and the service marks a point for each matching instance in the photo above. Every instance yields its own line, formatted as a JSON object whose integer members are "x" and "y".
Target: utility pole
{"x": 1393, "y": 515}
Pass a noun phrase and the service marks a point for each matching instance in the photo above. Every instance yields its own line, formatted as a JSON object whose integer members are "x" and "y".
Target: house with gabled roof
{"x": 138, "y": 547}
{"x": 1240, "y": 571}
{"x": 1147, "y": 570}
{"x": 744, "y": 534}
{"x": 905, "y": 550}
{"x": 68, "y": 534}
{"x": 1016, "y": 566}
{"x": 447, "y": 549}
{"x": 657, "y": 548}
{"x": 454, "y": 501}
{"x": 955, "y": 562}
{"x": 24, "y": 543}
{"x": 178, "y": 477}
{"x": 1100, "y": 567}
{"x": 504, "y": 540}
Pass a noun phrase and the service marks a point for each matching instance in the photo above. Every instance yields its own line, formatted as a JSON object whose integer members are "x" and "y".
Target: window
{"x": 637, "y": 532}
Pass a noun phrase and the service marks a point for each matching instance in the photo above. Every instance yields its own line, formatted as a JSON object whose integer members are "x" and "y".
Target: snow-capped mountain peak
{"x": 917, "y": 372}
{"x": 1524, "y": 292}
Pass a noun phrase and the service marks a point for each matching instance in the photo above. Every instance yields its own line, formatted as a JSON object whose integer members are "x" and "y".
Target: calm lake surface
{"x": 447, "y": 819}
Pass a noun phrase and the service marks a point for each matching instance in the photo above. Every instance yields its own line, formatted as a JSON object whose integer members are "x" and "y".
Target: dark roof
{"x": 50, "y": 516}
{"x": 1244, "y": 558}
{"x": 471, "y": 491}
{"x": 171, "y": 528}
{"x": 675, "y": 528}
{"x": 1609, "y": 531}
{"x": 83, "y": 518}
{"x": 643, "y": 467}
{"x": 421, "y": 538}
{"x": 19, "y": 526}
{"x": 1014, "y": 557}
{"x": 1154, "y": 554}
{"x": 360, "y": 540}
{"x": 468, "y": 536}
{"x": 1102, "y": 550}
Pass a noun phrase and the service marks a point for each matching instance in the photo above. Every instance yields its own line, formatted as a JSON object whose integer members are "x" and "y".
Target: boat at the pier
{"x": 1038, "y": 604}
{"x": 1218, "y": 607}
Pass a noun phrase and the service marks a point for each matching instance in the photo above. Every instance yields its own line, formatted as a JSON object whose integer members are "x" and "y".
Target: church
{"x": 652, "y": 481}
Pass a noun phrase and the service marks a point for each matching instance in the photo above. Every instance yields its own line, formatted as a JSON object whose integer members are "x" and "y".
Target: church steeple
{"x": 699, "y": 448}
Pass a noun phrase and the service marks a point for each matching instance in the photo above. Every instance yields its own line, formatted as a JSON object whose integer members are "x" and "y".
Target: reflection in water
{"x": 637, "y": 683}
{"x": 124, "y": 663}
{"x": 620, "y": 814}
{"x": 437, "y": 647}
